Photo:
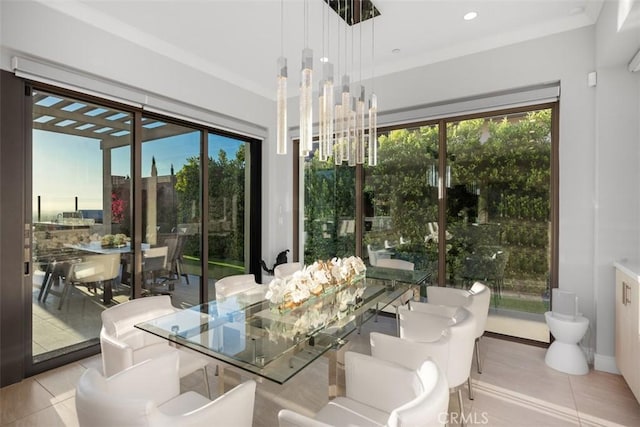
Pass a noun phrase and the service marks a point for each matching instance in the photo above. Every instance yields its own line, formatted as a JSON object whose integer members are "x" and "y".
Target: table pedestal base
{"x": 336, "y": 370}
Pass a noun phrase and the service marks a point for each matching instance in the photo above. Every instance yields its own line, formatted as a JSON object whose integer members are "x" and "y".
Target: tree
{"x": 329, "y": 201}
{"x": 399, "y": 183}
{"x": 226, "y": 203}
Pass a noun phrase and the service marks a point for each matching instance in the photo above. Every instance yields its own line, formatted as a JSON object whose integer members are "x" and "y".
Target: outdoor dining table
{"x": 247, "y": 332}
{"x": 58, "y": 263}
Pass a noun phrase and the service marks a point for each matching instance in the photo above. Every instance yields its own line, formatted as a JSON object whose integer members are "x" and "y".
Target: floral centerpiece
{"x": 114, "y": 241}
{"x": 314, "y": 280}
{"x": 326, "y": 292}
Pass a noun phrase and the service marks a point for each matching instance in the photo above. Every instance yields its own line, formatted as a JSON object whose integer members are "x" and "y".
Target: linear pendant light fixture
{"x": 342, "y": 133}
{"x": 373, "y": 107}
{"x": 325, "y": 97}
{"x": 306, "y": 91}
{"x": 281, "y": 96}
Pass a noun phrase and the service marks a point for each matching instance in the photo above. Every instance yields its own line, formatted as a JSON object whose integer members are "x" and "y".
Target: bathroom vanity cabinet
{"x": 628, "y": 325}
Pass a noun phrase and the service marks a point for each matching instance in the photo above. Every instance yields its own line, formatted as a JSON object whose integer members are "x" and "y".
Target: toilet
{"x": 568, "y": 327}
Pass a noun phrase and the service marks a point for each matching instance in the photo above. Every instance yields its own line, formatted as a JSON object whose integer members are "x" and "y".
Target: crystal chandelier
{"x": 342, "y": 111}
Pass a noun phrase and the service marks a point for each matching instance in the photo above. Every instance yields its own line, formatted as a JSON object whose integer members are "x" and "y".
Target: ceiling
{"x": 240, "y": 40}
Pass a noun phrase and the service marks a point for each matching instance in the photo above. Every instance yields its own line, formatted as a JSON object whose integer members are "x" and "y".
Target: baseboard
{"x": 605, "y": 364}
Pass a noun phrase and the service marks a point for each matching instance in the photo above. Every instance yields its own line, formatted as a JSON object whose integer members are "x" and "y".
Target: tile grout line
{"x": 586, "y": 418}
{"x": 573, "y": 397}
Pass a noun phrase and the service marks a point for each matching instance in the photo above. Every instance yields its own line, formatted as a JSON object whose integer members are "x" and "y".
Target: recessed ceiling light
{"x": 324, "y": 59}
{"x": 470, "y": 15}
{"x": 396, "y": 50}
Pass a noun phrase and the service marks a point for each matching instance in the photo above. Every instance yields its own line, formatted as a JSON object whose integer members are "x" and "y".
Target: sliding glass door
{"x": 81, "y": 187}
{"x": 499, "y": 215}
{"x": 170, "y": 170}
{"x": 92, "y": 204}
{"x": 228, "y": 176}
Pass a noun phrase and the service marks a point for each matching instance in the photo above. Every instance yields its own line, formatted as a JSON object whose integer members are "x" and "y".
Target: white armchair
{"x": 448, "y": 341}
{"x": 284, "y": 270}
{"x": 377, "y": 254}
{"x": 123, "y": 345}
{"x": 236, "y": 284}
{"x": 406, "y": 297}
{"x": 148, "y": 394}
{"x": 452, "y": 297}
{"x": 397, "y": 263}
{"x": 480, "y": 302}
{"x": 382, "y": 393}
{"x": 477, "y": 300}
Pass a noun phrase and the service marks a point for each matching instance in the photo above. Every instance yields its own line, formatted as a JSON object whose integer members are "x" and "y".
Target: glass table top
{"x": 413, "y": 277}
{"x": 248, "y": 332}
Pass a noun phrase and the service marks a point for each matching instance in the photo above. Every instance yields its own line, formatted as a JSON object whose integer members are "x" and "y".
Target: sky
{"x": 66, "y": 166}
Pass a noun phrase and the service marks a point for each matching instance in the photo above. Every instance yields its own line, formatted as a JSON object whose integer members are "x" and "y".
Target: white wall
{"x": 599, "y": 196}
{"x": 617, "y": 177}
{"x": 36, "y": 30}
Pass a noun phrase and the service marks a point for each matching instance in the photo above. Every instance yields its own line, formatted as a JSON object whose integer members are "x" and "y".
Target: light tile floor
{"x": 516, "y": 388}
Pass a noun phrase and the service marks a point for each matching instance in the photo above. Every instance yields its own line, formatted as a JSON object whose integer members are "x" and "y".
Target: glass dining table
{"x": 247, "y": 332}
{"x": 412, "y": 277}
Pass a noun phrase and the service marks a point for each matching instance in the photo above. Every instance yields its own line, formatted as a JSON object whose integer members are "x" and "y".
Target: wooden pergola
{"x": 112, "y": 127}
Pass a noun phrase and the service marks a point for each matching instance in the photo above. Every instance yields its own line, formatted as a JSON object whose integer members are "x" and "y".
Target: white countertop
{"x": 630, "y": 268}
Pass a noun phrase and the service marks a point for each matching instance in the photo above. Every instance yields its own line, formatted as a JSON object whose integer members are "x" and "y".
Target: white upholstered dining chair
{"x": 377, "y": 254}
{"x": 235, "y": 284}
{"x": 239, "y": 287}
{"x": 123, "y": 345}
{"x": 148, "y": 394}
{"x": 381, "y": 393}
{"x": 447, "y": 340}
{"x": 285, "y": 270}
{"x": 400, "y": 264}
{"x": 406, "y": 297}
{"x": 477, "y": 300}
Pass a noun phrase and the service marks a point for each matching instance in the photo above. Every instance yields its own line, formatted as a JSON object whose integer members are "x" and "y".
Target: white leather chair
{"x": 376, "y": 254}
{"x": 286, "y": 270}
{"x": 400, "y": 264}
{"x": 148, "y": 394}
{"x": 447, "y": 340}
{"x": 382, "y": 393}
{"x": 123, "y": 345}
{"x": 235, "y": 284}
{"x": 477, "y": 300}
{"x": 406, "y": 297}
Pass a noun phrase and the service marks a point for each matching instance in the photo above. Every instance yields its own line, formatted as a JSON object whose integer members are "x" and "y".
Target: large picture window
{"x": 465, "y": 199}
